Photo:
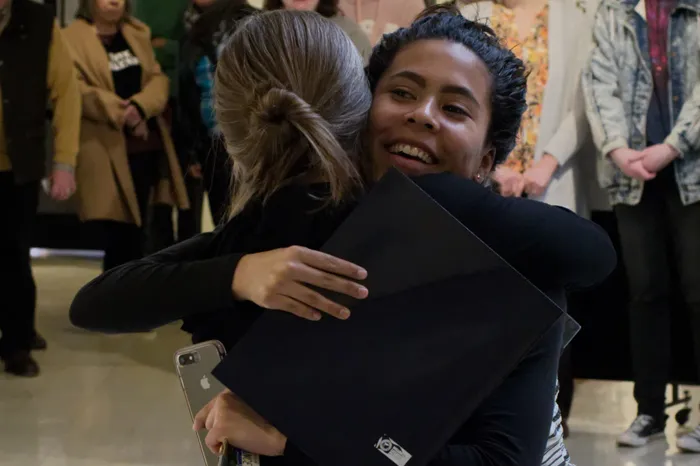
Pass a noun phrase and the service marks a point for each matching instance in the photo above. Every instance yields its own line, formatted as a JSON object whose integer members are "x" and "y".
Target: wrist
{"x": 550, "y": 162}
{"x": 673, "y": 153}
{"x": 237, "y": 283}
{"x": 280, "y": 443}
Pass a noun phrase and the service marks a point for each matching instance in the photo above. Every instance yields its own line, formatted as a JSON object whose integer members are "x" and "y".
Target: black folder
{"x": 446, "y": 321}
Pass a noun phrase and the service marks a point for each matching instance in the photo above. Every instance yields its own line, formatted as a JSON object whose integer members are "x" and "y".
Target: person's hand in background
{"x": 278, "y": 280}
{"x": 140, "y": 130}
{"x": 158, "y": 42}
{"x": 538, "y": 177}
{"x": 120, "y": 117}
{"x": 631, "y": 163}
{"x": 195, "y": 171}
{"x": 62, "y": 184}
{"x": 132, "y": 116}
{"x": 658, "y": 156}
{"x": 510, "y": 183}
{"x": 229, "y": 419}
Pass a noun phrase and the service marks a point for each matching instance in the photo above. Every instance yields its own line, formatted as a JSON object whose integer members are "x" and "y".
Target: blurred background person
{"x": 643, "y": 97}
{"x": 125, "y": 146}
{"x": 379, "y": 17}
{"x": 554, "y": 134}
{"x": 35, "y": 67}
{"x": 198, "y": 140}
{"x": 166, "y": 20}
{"x": 329, "y": 9}
{"x": 194, "y": 11}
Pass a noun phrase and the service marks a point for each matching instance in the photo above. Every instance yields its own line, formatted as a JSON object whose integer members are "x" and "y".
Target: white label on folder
{"x": 393, "y": 451}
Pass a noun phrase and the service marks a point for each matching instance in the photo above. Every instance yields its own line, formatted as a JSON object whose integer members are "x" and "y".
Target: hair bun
{"x": 278, "y": 106}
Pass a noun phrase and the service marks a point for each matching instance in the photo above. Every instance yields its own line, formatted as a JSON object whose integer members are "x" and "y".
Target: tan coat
{"x": 105, "y": 186}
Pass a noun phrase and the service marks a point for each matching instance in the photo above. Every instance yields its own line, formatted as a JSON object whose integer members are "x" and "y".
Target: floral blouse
{"x": 534, "y": 52}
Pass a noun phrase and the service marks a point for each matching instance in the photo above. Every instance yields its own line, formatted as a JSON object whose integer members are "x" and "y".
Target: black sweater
{"x": 551, "y": 246}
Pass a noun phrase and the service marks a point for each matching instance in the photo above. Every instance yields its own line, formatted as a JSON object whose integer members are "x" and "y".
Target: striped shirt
{"x": 556, "y": 453}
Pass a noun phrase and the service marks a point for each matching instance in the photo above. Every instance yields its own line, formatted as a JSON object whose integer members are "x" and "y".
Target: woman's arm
{"x": 572, "y": 132}
{"x": 154, "y": 95}
{"x": 182, "y": 280}
{"x": 100, "y": 105}
{"x": 512, "y": 426}
{"x": 551, "y": 246}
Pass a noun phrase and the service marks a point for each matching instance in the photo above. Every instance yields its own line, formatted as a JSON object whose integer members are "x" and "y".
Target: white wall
{"x": 71, "y": 8}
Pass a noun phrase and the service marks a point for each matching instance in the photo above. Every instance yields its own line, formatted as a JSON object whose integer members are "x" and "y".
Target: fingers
{"x": 214, "y": 441}
{"x": 518, "y": 187}
{"x": 62, "y": 188}
{"x": 328, "y": 263}
{"x": 59, "y": 194}
{"x": 308, "y": 274}
{"x": 315, "y": 302}
{"x": 636, "y": 156}
{"x": 512, "y": 185}
{"x": 533, "y": 189}
{"x": 640, "y": 173}
{"x": 299, "y": 309}
{"x": 200, "y": 419}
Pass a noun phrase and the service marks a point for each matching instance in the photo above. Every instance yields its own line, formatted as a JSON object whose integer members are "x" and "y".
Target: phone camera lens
{"x": 183, "y": 360}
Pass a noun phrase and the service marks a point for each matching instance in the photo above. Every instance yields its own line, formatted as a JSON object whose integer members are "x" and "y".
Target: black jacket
{"x": 24, "y": 57}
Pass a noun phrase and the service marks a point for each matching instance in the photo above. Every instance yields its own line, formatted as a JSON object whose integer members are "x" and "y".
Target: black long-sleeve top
{"x": 551, "y": 246}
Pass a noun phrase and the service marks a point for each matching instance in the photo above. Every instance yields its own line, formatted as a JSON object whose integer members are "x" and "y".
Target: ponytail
{"x": 291, "y": 101}
{"x": 287, "y": 140}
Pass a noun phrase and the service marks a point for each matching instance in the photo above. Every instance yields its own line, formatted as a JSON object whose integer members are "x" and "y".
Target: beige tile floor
{"x": 115, "y": 401}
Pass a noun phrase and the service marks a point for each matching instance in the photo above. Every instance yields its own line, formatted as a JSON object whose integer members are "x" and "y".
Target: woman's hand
{"x": 277, "y": 280}
{"x": 229, "y": 419}
{"x": 510, "y": 182}
{"x": 132, "y": 115}
{"x": 140, "y": 130}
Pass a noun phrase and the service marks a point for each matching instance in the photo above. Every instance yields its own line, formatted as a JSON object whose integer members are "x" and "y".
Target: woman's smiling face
{"x": 431, "y": 112}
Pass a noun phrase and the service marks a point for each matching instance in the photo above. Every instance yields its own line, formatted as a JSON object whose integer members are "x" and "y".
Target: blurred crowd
{"x": 613, "y": 102}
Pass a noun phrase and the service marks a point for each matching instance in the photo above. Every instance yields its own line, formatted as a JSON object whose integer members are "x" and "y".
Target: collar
{"x": 693, "y": 5}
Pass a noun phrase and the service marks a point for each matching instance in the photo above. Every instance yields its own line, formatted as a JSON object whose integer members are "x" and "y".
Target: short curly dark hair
{"x": 327, "y": 8}
{"x": 508, "y": 72}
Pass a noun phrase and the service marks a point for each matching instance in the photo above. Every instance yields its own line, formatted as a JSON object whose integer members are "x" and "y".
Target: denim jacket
{"x": 618, "y": 87}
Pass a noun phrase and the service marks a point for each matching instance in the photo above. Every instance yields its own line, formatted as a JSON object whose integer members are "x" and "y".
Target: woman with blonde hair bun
{"x": 298, "y": 121}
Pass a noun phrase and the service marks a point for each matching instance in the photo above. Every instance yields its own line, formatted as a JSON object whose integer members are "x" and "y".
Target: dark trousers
{"x": 161, "y": 230}
{"x": 216, "y": 181}
{"x": 18, "y": 206}
{"x": 659, "y": 224}
{"x": 124, "y": 242}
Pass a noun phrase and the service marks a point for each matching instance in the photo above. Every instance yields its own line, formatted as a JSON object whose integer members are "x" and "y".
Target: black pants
{"x": 18, "y": 206}
{"x": 161, "y": 230}
{"x": 648, "y": 231}
{"x": 124, "y": 242}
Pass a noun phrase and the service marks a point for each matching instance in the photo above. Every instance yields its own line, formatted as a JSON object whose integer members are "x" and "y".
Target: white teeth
{"x": 412, "y": 151}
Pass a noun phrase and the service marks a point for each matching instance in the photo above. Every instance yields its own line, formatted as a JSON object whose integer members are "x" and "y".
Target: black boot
{"x": 38, "y": 342}
{"x": 20, "y": 363}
